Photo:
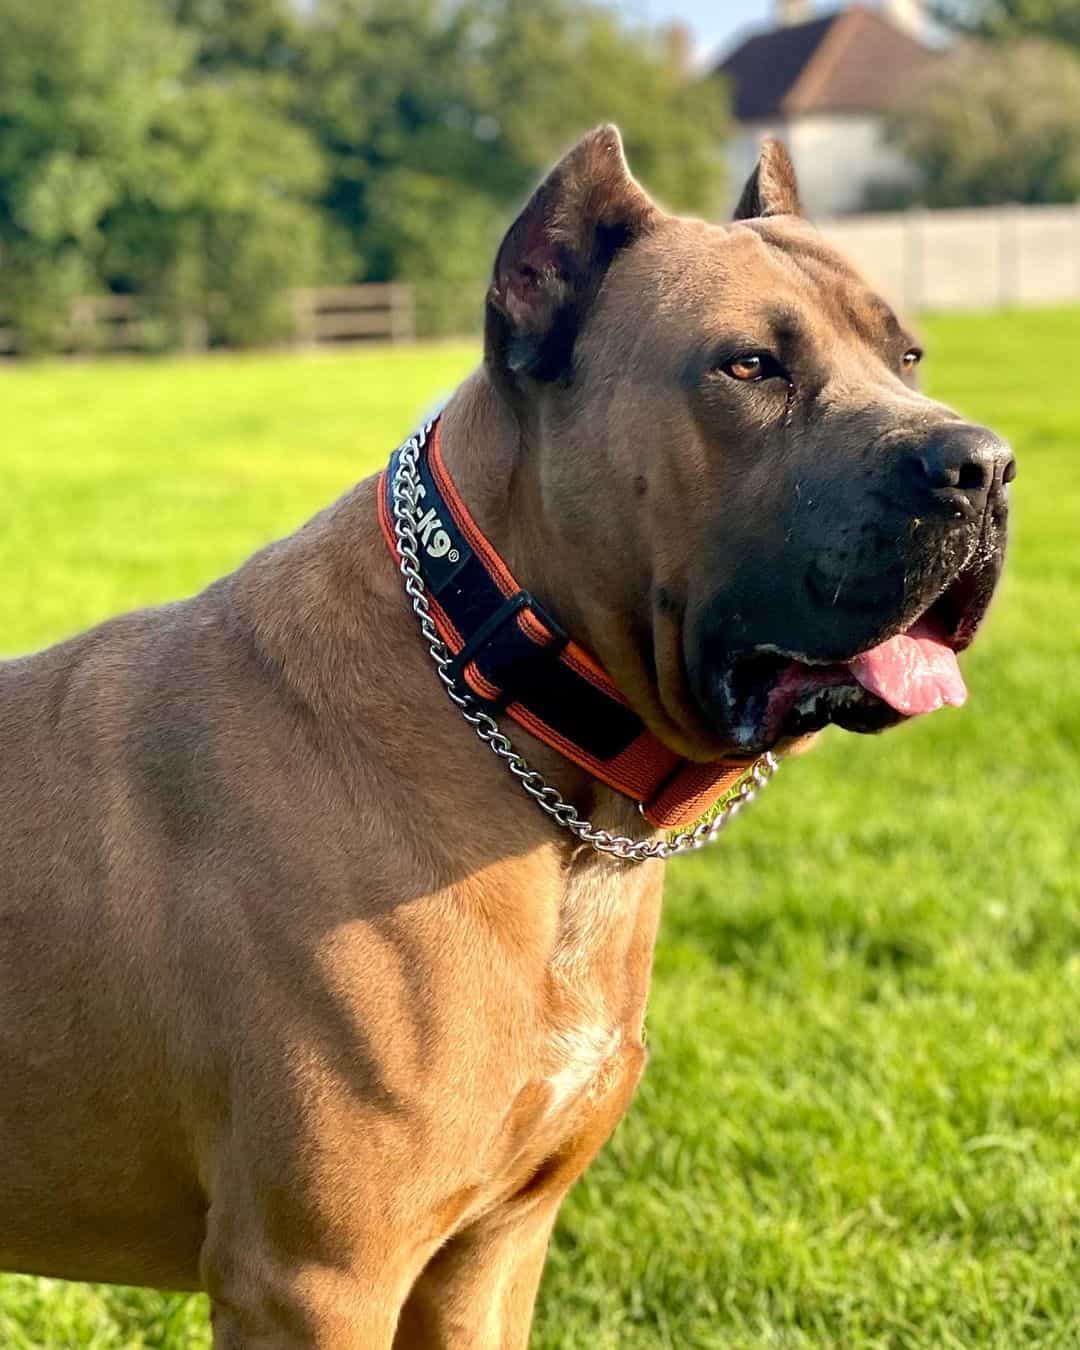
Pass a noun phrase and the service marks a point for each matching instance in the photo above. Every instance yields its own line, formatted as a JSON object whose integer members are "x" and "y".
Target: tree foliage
{"x": 240, "y": 34}
{"x": 211, "y": 153}
{"x": 995, "y": 123}
{"x": 1054, "y": 20}
{"x": 121, "y": 168}
{"x": 437, "y": 118}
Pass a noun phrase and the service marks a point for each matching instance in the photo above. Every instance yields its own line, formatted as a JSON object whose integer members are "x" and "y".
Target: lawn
{"x": 861, "y": 1122}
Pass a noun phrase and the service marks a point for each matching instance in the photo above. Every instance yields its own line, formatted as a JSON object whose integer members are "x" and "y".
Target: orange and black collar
{"x": 513, "y": 657}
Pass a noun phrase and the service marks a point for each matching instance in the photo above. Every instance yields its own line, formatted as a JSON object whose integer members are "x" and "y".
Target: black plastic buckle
{"x": 490, "y": 630}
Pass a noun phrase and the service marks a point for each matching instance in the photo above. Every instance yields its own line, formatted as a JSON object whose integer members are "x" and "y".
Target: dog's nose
{"x": 965, "y": 465}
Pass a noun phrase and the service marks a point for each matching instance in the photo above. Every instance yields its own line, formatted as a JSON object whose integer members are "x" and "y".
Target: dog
{"x": 306, "y": 1001}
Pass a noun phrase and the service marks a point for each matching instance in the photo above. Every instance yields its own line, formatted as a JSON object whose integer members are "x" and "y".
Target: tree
{"x": 995, "y": 123}
{"x": 211, "y": 153}
{"x": 438, "y": 119}
{"x": 1055, "y": 20}
{"x": 262, "y": 35}
{"x": 123, "y": 167}
{"x": 544, "y": 71}
{"x": 79, "y": 89}
{"x": 220, "y": 222}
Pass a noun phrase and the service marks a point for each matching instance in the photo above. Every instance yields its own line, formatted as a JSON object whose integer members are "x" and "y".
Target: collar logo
{"x": 432, "y": 534}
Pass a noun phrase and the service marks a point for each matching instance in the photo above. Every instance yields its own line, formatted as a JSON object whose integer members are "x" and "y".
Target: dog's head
{"x": 763, "y": 524}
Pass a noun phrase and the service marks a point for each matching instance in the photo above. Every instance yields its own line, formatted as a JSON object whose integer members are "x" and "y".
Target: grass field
{"x": 861, "y": 1122}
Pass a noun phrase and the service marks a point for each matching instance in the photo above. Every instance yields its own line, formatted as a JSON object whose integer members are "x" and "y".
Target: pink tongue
{"x": 914, "y": 673}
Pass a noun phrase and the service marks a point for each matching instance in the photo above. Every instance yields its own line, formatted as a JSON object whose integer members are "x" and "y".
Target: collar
{"x": 513, "y": 657}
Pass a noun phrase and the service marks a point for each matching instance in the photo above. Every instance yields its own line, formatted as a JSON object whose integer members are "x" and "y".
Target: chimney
{"x": 793, "y": 11}
{"x": 679, "y": 43}
{"x": 908, "y": 15}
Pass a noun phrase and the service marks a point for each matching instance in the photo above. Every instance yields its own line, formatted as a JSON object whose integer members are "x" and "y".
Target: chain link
{"x": 405, "y": 499}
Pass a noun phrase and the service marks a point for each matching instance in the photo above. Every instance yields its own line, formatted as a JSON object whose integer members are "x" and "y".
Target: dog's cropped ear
{"x": 772, "y": 189}
{"x": 554, "y": 257}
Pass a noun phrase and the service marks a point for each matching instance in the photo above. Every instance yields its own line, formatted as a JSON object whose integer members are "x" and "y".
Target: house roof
{"x": 855, "y": 60}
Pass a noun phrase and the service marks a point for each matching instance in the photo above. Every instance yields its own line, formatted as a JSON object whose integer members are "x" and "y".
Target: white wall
{"x": 741, "y": 154}
{"x": 972, "y": 259}
{"x": 836, "y": 156}
{"x": 975, "y": 259}
{"x": 907, "y": 14}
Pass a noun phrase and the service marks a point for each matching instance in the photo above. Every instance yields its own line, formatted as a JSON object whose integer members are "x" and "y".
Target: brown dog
{"x": 302, "y": 1000}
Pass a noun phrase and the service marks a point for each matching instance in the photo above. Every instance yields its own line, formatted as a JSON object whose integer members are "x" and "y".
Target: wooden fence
{"x": 338, "y": 314}
{"x": 949, "y": 260}
{"x": 322, "y": 316}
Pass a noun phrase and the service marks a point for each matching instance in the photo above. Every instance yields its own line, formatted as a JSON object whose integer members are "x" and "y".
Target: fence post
{"x": 402, "y": 313}
{"x": 1076, "y": 252}
{"x": 303, "y": 308}
{"x": 194, "y": 333}
{"x": 82, "y": 328}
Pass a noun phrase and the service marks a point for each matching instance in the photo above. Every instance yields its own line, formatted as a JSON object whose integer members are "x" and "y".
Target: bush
{"x": 123, "y": 168}
{"x": 207, "y": 155}
{"x": 995, "y": 123}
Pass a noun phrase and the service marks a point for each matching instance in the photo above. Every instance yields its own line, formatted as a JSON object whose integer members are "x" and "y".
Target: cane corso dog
{"x": 304, "y": 999}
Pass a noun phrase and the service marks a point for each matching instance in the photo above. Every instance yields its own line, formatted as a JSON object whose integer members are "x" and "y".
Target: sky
{"x": 714, "y": 23}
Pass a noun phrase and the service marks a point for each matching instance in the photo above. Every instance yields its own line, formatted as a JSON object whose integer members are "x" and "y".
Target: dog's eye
{"x": 752, "y": 367}
{"x": 911, "y": 358}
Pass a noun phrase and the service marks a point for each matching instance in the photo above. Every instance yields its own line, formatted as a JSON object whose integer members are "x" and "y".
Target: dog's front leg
{"x": 318, "y": 1307}
{"x": 478, "y": 1290}
{"x": 281, "y": 1284}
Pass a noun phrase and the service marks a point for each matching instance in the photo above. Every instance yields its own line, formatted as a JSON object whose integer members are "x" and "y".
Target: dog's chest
{"x": 588, "y": 1052}
{"x": 575, "y": 1040}
{"x": 596, "y": 982}
{"x": 578, "y": 1055}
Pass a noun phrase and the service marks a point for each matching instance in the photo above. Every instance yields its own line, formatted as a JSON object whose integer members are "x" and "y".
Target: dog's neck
{"x": 494, "y": 456}
{"x": 487, "y": 449}
{"x": 493, "y": 461}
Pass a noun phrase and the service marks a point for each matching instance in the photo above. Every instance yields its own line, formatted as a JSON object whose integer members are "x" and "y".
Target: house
{"x": 823, "y": 84}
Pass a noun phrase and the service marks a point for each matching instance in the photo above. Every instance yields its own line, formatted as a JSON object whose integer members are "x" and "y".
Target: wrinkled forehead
{"x": 761, "y": 280}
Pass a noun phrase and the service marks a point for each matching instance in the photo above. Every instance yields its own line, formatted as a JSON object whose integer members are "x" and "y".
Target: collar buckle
{"x": 502, "y": 656}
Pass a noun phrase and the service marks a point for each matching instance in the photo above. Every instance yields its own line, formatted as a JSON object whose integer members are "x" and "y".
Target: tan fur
{"x": 301, "y": 1000}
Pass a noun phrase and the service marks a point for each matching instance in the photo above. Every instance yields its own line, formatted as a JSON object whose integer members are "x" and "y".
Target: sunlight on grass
{"x": 859, "y": 1124}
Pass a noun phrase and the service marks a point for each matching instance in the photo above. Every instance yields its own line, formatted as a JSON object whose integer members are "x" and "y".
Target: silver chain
{"x": 406, "y": 498}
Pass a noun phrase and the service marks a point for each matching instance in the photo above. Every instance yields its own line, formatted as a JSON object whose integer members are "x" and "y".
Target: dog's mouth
{"x": 773, "y": 696}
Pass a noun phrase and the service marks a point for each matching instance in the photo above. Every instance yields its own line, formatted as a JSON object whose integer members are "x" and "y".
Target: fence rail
{"x": 339, "y": 314}
{"x": 328, "y": 315}
{"x": 949, "y": 260}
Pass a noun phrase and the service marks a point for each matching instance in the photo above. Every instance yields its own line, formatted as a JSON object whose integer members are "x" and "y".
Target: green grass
{"x": 860, "y": 1125}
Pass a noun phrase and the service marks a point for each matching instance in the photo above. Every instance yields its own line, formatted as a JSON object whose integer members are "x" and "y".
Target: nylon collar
{"x": 515, "y": 658}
